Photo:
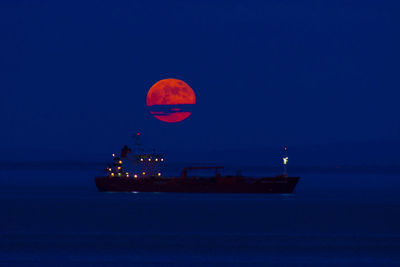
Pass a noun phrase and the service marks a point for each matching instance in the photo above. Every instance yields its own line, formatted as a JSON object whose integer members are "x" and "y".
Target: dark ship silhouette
{"x": 144, "y": 175}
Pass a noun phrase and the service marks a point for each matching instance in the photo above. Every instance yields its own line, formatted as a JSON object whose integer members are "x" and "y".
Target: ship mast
{"x": 285, "y": 159}
{"x": 138, "y": 148}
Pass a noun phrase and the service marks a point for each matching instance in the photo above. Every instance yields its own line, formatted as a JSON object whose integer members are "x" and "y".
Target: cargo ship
{"x": 144, "y": 175}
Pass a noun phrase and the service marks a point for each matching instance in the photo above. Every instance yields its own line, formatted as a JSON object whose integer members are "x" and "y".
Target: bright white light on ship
{"x": 162, "y": 159}
{"x": 141, "y": 159}
{"x": 149, "y": 159}
{"x": 156, "y": 159}
{"x": 285, "y": 160}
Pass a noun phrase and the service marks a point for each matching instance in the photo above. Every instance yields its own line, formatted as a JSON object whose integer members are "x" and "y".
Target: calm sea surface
{"x": 59, "y": 219}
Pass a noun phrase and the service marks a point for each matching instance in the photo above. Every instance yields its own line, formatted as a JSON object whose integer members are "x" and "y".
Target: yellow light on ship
{"x": 118, "y": 167}
{"x": 156, "y": 159}
{"x": 127, "y": 174}
{"x": 285, "y": 160}
{"x": 112, "y": 174}
{"x": 135, "y": 176}
{"x": 143, "y": 173}
{"x": 159, "y": 174}
{"x": 113, "y": 155}
{"x": 120, "y": 162}
{"x": 109, "y": 169}
{"x": 149, "y": 159}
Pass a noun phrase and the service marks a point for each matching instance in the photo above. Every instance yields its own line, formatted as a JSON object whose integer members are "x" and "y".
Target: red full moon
{"x": 170, "y": 100}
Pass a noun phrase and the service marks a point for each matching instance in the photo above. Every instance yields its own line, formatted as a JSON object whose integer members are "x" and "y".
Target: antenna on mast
{"x": 138, "y": 144}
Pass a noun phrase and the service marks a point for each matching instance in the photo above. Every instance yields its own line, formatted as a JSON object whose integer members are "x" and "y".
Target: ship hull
{"x": 277, "y": 185}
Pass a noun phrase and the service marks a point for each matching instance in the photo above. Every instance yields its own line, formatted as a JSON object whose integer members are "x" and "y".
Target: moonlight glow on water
{"x": 170, "y": 100}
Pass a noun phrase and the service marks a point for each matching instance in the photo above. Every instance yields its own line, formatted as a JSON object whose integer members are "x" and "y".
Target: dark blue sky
{"x": 74, "y": 74}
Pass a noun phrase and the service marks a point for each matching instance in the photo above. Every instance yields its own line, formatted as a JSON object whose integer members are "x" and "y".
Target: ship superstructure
{"x": 138, "y": 162}
{"x": 138, "y": 170}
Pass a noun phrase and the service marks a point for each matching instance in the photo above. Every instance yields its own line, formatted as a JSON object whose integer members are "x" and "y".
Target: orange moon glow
{"x": 170, "y": 100}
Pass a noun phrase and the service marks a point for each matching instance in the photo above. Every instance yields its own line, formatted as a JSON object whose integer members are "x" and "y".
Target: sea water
{"x": 58, "y": 218}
